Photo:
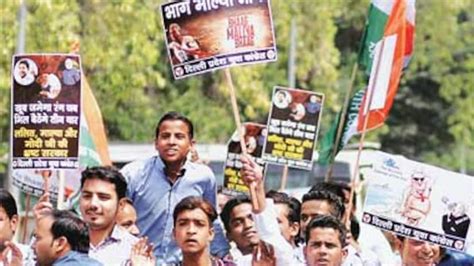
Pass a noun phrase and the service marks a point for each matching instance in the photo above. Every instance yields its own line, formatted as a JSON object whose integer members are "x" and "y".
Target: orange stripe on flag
{"x": 95, "y": 123}
{"x": 396, "y": 25}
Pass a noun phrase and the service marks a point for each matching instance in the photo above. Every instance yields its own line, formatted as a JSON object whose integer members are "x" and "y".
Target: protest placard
{"x": 420, "y": 201}
{"x": 205, "y": 35}
{"x": 46, "y": 108}
{"x": 254, "y": 136}
{"x": 293, "y": 126}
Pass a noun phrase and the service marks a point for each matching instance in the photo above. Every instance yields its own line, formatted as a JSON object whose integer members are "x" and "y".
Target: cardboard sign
{"x": 46, "y": 108}
{"x": 204, "y": 35}
{"x": 255, "y": 135}
{"x": 420, "y": 201}
{"x": 293, "y": 126}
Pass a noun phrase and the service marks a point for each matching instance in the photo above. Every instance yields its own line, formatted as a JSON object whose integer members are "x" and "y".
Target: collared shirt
{"x": 356, "y": 258}
{"x": 115, "y": 249}
{"x": 154, "y": 198}
{"x": 76, "y": 258}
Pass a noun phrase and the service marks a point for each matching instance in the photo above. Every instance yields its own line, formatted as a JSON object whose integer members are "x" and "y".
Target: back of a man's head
{"x": 109, "y": 174}
{"x": 337, "y": 206}
{"x": 68, "y": 225}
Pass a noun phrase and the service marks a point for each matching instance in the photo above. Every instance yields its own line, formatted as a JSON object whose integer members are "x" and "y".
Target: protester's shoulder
{"x": 202, "y": 169}
{"x": 136, "y": 168}
{"x": 456, "y": 258}
{"x": 125, "y": 236}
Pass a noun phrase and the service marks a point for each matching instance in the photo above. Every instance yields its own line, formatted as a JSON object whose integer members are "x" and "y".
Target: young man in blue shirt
{"x": 157, "y": 184}
{"x": 62, "y": 239}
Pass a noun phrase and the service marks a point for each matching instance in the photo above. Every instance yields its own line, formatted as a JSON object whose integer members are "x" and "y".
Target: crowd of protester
{"x": 167, "y": 211}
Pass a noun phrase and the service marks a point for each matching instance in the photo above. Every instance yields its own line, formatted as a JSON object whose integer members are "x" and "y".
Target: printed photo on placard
{"x": 254, "y": 136}
{"x": 293, "y": 126}
{"x": 46, "y": 108}
{"x": 206, "y": 35}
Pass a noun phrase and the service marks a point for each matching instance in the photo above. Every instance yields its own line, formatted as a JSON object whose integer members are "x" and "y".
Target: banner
{"x": 349, "y": 129}
{"x": 46, "y": 108}
{"x": 420, "y": 201}
{"x": 205, "y": 35}
{"x": 254, "y": 135}
{"x": 293, "y": 126}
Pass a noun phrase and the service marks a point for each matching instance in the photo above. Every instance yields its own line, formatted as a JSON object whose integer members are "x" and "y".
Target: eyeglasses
{"x": 419, "y": 179}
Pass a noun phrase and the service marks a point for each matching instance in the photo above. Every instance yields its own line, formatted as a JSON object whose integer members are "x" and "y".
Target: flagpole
{"x": 61, "y": 186}
{"x": 368, "y": 102}
{"x": 341, "y": 121}
{"x": 284, "y": 178}
{"x": 235, "y": 111}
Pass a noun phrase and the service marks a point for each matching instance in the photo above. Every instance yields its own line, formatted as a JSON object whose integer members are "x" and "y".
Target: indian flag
{"x": 379, "y": 13}
{"x": 388, "y": 42}
{"x": 93, "y": 142}
{"x": 386, "y": 69}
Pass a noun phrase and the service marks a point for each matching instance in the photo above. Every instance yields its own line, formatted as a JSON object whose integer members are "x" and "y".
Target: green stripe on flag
{"x": 373, "y": 33}
{"x": 350, "y": 129}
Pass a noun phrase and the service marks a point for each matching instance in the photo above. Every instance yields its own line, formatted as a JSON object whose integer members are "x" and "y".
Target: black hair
{"x": 294, "y": 206}
{"x": 355, "y": 228}
{"x": 229, "y": 206}
{"x": 327, "y": 221}
{"x": 337, "y": 206}
{"x": 337, "y": 188}
{"x": 25, "y": 63}
{"x": 72, "y": 228}
{"x": 8, "y": 203}
{"x": 194, "y": 202}
{"x": 128, "y": 201}
{"x": 175, "y": 116}
{"x": 109, "y": 174}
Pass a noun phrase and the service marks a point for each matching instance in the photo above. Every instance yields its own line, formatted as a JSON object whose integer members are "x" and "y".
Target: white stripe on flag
{"x": 383, "y": 5}
{"x": 411, "y": 11}
{"x": 380, "y": 73}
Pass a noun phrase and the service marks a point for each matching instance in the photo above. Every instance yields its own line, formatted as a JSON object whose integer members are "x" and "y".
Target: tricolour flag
{"x": 385, "y": 19}
{"x": 94, "y": 148}
{"x": 379, "y": 13}
{"x": 386, "y": 70}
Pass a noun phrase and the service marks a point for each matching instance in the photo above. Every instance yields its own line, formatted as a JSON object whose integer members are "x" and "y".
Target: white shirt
{"x": 268, "y": 230}
{"x": 26, "y": 251}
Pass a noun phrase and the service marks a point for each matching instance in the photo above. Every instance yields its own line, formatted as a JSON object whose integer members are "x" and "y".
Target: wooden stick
{"x": 27, "y": 212}
{"x": 284, "y": 178}
{"x": 61, "y": 185}
{"x": 364, "y": 129}
{"x": 342, "y": 120}
{"x": 235, "y": 111}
